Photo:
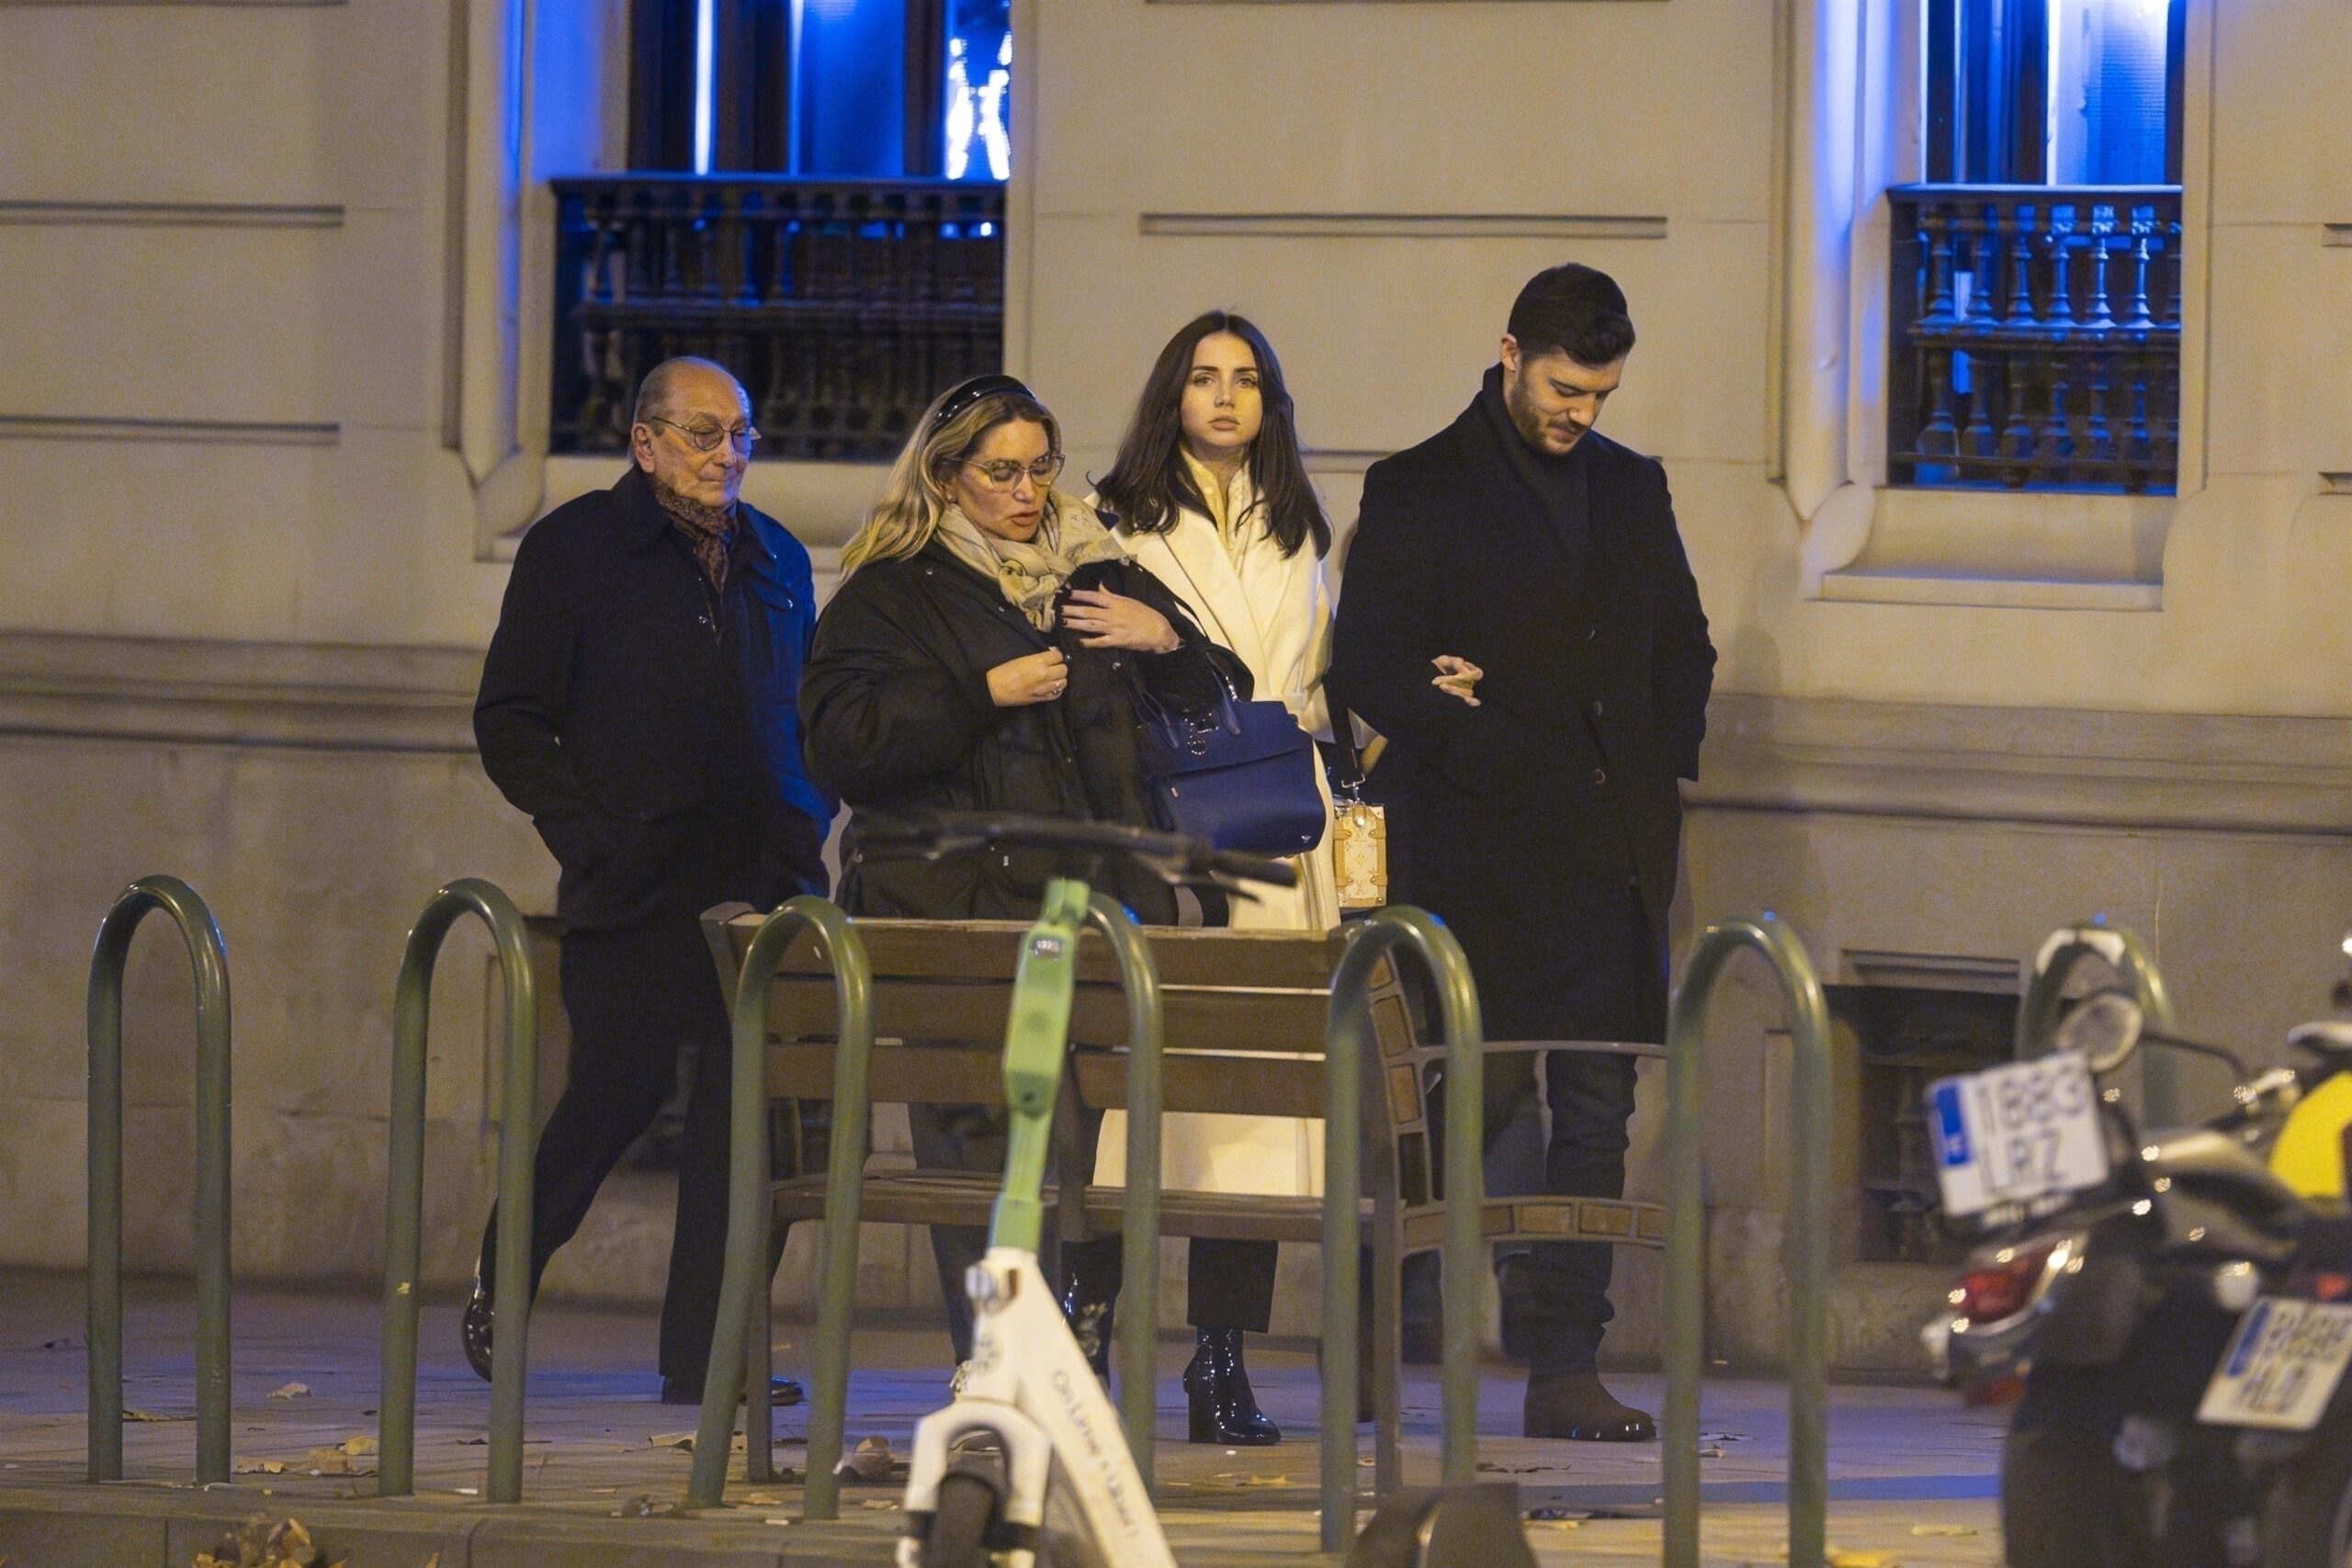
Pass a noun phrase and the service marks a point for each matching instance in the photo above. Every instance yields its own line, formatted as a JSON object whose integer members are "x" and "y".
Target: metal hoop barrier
{"x": 404, "y": 1201}
{"x": 2122, "y": 952}
{"x": 748, "y": 1172}
{"x": 208, "y": 964}
{"x": 1346, "y": 1038}
{"x": 1807, "y": 1259}
{"x": 1135, "y": 1340}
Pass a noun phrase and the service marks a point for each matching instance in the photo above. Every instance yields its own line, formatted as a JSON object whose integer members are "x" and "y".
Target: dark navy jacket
{"x": 650, "y": 726}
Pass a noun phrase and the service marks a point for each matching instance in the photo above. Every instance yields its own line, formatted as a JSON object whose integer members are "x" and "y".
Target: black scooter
{"x": 2113, "y": 1290}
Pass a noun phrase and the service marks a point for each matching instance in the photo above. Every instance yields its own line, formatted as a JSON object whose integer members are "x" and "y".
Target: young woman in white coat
{"x": 1209, "y": 494}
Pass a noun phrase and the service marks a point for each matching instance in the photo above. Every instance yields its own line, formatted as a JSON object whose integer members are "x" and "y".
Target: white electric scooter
{"x": 1028, "y": 1386}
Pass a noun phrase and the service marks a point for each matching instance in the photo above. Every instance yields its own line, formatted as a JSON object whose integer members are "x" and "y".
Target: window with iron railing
{"x": 2035, "y": 303}
{"x": 815, "y": 201}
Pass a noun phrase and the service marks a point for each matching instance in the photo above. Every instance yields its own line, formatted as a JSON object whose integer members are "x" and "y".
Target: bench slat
{"x": 1193, "y": 1018}
{"x": 987, "y": 950}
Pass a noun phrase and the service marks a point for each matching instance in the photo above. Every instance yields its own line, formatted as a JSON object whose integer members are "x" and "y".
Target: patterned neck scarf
{"x": 1233, "y": 504}
{"x": 710, "y": 530}
{"x": 1030, "y": 574}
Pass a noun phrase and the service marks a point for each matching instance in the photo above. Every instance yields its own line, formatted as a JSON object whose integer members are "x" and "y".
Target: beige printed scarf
{"x": 1031, "y": 575}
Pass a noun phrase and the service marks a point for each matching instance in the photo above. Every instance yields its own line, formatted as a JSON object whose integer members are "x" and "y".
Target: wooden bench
{"x": 1244, "y": 1019}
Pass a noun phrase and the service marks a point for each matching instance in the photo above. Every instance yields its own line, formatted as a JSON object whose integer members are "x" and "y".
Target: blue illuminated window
{"x": 2054, "y": 92}
{"x": 830, "y": 89}
{"x": 976, "y": 122}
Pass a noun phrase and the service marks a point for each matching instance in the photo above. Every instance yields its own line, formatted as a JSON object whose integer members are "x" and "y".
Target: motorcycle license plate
{"x": 2282, "y": 1366}
{"x": 2016, "y": 1133}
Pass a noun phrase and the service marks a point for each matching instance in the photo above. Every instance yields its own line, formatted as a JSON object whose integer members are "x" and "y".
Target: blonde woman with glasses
{"x": 986, "y": 652}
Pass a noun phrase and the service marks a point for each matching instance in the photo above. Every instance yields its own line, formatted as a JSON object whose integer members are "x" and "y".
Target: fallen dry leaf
{"x": 257, "y": 1467}
{"x": 877, "y": 1503}
{"x": 1861, "y": 1559}
{"x": 289, "y": 1391}
{"x": 153, "y": 1415}
{"x": 264, "y": 1542}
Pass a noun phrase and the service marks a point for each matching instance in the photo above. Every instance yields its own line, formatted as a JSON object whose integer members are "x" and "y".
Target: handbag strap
{"x": 1349, "y": 785}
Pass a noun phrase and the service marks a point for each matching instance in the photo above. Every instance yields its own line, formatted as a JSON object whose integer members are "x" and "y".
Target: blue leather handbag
{"x": 1244, "y": 779}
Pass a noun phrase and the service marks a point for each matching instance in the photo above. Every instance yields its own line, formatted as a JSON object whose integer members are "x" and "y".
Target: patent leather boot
{"x": 1216, "y": 1387}
{"x": 1089, "y": 1314}
{"x": 473, "y": 1331}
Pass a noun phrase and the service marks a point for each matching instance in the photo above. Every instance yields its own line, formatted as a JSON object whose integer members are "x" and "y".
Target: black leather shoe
{"x": 1576, "y": 1406}
{"x": 688, "y": 1390}
{"x": 1216, "y": 1386}
{"x": 473, "y": 1332}
{"x": 1090, "y": 1318}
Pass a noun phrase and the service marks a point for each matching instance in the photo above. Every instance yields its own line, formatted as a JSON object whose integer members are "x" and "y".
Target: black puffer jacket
{"x": 896, "y": 709}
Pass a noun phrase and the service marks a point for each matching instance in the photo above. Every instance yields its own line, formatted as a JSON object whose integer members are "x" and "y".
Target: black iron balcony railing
{"x": 842, "y": 306}
{"x": 2034, "y": 336}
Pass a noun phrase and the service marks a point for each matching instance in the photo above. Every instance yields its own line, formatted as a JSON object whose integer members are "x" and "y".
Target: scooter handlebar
{"x": 1172, "y": 857}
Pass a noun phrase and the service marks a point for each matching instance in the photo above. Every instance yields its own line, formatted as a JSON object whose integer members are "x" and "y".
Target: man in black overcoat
{"x": 1520, "y": 621}
{"x": 641, "y": 701}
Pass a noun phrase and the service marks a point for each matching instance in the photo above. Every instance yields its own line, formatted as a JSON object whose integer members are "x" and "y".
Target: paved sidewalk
{"x": 1911, "y": 1470}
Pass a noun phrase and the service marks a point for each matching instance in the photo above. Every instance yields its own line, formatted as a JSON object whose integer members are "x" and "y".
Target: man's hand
{"x": 1458, "y": 677}
{"x": 1105, "y": 619}
{"x": 1023, "y": 682}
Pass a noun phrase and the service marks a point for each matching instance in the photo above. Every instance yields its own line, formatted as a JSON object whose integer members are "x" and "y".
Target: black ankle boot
{"x": 1216, "y": 1385}
{"x": 473, "y": 1332}
{"x": 1090, "y": 1315}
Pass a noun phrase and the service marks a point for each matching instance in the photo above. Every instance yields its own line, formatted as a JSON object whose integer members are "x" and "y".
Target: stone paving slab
{"x": 602, "y": 1482}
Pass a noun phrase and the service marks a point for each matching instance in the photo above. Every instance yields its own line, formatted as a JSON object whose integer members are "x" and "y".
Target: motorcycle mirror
{"x": 2105, "y": 1027}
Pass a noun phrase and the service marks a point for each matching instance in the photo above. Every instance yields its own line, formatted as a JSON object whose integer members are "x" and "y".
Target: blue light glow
{"x": 706, "y": 48}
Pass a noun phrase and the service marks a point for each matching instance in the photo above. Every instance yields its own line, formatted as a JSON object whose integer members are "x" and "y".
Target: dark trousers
{"x": 1230, "y": 1284}
{"x": 1555, "y": 1293}
{"x": 635, "y": 997}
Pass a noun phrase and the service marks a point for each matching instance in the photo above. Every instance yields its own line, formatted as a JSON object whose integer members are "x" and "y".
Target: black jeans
{"x": 1230, "y": 1284}
{"x": 635, "y": 996}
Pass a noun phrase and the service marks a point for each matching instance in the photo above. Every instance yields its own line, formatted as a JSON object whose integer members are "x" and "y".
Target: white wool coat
{"x": 1274, "y": 613}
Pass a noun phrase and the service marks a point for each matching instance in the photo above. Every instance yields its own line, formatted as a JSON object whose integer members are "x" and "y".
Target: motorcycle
{"x": 2112, "y": 1274}
{"x": 2280, "y": 1384}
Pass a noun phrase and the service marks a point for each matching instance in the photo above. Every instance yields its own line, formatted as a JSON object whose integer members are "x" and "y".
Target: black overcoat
{"x": 1545, "y": 822}
{"x": 897, "y": 711}
{"x": 648, "y": 725}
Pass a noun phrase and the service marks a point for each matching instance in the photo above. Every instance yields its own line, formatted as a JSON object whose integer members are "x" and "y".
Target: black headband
{"x": 969, "y": 392}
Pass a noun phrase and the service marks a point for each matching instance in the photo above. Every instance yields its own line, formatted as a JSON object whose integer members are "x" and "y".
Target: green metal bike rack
{"x": 404, "y": 1203}
{"x": 208, "y": 959}
{"x": 1346, "y": 1038}
{"x": 1807, "y": 1259}
{"x": 2122, "y": 952}
{"x": 749, "y": 1171}
{"x": 1135, "y": 1340}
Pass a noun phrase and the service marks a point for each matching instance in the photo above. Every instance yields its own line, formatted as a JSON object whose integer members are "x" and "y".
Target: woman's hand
{"x": 1105, "y": 619}
{"x": 1458, "y": 677}
{"x": 1023, "y": 682}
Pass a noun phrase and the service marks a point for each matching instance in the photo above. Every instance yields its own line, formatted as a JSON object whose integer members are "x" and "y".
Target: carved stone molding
{"x": 204, "y": 432}
{"x": 295, "y": 695}
{"x": 2178, "y": 772}
{"x": 1408, "y": 225}
{"x": 169, "y": 215}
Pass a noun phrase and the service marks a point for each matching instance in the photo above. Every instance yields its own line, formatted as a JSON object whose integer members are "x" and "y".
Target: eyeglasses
{"x": 1005, "y": 474}
{"x": 707, "y": 437}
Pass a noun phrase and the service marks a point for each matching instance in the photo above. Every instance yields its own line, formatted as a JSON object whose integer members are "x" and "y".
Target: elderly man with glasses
{"x": 639, "y": 702}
